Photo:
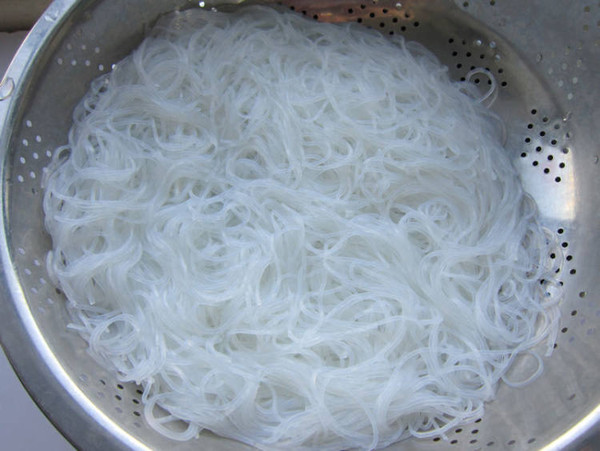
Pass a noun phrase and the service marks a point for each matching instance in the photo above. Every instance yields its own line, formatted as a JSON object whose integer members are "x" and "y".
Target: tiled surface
{"x": 22, "y": 425}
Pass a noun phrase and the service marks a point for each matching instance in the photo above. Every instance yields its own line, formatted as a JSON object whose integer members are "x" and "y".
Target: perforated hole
{"x": 484, "y": 54}
{"x": 544, "y": 139}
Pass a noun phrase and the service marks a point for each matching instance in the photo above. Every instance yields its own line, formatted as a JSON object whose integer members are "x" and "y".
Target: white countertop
{"x": 23, "y": 427}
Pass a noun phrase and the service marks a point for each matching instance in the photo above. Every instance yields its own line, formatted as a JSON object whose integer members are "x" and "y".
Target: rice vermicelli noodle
{"x": 297, "y": 235}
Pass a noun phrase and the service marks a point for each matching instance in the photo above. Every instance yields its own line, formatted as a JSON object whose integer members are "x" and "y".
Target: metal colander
{"x": 545, "y": 55}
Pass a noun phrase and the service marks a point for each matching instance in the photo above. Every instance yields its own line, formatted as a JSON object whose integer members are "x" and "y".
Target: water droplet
{"x": 596, "y": 159}
{"x": 497, "y": 57}
{"x": 567, "y": 116}
{"x": 398, "y": 5}
{"x": 202, "y": 4}
{"x": 7, "y": 86}
{"x": 539, "y": 57}
{"x": 492, "y": 44}
{"x": 478, "y": 42}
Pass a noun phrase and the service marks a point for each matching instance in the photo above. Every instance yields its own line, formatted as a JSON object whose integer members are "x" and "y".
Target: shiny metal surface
{"x": 545, "y": 56}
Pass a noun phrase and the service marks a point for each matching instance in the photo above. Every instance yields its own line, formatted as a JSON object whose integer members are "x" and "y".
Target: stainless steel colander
{"x": 545, "y": 55}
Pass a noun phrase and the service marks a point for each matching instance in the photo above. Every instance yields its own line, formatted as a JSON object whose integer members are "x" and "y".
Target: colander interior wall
{"x": 545, "y": 56}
